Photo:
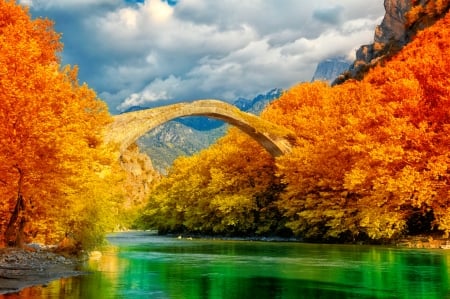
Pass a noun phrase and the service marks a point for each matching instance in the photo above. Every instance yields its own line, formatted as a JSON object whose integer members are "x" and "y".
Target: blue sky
{"x": 153, "y": 52}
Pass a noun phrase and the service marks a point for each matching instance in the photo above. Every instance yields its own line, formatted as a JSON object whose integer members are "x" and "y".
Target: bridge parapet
{"x": 128, "y": 127}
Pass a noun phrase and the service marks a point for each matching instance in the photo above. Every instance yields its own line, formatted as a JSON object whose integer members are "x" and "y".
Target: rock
{"x": 34, "y": 246}
{"x": 60, "y": 259}
{"x": 394, "y": 32}
{"x": 329, "y": 69}
{"x": 391, "y": 32}
{"x": 21, "y": 268}
{"x": 393, "y": 26}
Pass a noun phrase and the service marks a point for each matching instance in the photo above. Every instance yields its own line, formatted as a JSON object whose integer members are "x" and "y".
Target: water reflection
{"x": 147, "y": 266}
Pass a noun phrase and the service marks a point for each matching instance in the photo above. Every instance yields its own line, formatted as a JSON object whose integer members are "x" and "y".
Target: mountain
{"x": 243, "y": 104}
{"x": 173, "y": 139}
{"x": 188, "y": 135}
{"x": 329, "y": 69}
{"x": 261, "y": 101}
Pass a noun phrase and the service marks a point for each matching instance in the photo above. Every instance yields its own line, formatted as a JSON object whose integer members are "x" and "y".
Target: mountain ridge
{"x": 329, "y": 69}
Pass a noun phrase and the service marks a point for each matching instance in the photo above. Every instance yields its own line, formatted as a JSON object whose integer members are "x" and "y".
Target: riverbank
{"x": 418, "y": 241}
{"x": 22, "y": 268}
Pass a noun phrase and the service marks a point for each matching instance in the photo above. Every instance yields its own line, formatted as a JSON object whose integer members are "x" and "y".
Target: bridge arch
{"x": 126, "y": 128}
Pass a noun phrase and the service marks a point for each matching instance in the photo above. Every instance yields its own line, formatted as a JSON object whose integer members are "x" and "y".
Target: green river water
{"x": 142, "y": 265}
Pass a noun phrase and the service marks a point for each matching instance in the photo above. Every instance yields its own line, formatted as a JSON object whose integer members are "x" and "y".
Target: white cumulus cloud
{"x": 146, "y": 52}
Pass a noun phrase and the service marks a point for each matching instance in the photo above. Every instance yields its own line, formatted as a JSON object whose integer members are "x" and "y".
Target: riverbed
{"x": 144, "y": 265}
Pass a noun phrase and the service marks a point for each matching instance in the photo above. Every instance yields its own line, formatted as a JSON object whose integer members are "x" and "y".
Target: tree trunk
{"x": 14, "y": 235}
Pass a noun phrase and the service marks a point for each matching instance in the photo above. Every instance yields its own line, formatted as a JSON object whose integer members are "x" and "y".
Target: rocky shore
{"x": 23, "y": 268}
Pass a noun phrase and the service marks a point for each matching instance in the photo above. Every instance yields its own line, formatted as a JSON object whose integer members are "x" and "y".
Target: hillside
{"x": 173, "y": 139}
{"x": 186, "y": 136}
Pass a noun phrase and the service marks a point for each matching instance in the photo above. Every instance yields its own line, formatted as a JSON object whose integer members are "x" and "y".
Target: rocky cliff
{"x": 329, "y": 69}
{"x": 402, "y": 20}
{"x": 140, "y": 176}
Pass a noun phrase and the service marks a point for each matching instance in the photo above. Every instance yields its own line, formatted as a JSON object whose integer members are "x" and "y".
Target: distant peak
{"x": 330, "y": 68}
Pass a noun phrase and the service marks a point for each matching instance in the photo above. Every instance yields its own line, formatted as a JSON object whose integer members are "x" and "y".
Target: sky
{"x": 155, "y": 52}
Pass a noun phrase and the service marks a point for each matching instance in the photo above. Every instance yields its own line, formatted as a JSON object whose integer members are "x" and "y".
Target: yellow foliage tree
{"x": 51, "y": 130}
{"x": 222, "y": 190}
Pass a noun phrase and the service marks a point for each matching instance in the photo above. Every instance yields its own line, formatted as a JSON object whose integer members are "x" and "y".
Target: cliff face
{"x": 393, "y": 26}
{"x": 390, "y": 35}
{"x": 402, "y": 20}
{"x": 329, "y": 69}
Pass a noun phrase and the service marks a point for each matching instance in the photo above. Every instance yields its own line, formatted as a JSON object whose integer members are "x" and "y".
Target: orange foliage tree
{"x": 50, "y": 131}
{"x": 416, "y": 88}
{"x": 371, "y": 159}
{"x": 429, "y": 9}
{"x": 372, "y": 155}
{"x": 315, "y": 200}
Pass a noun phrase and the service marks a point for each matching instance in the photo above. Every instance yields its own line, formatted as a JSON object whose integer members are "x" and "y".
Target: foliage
{"x": 371, "y": 159}
{"x": 52, "y": 159}
{"x": 427, "y": 10}
{"x": 219, "y": 191}
{"x": 372, "y": 154}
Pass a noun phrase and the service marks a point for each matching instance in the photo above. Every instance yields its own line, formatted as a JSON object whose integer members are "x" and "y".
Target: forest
{"x": 371, "y": 158}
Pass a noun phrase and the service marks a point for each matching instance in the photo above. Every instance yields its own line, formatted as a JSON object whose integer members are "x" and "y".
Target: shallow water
{"x": 142, "y": 265}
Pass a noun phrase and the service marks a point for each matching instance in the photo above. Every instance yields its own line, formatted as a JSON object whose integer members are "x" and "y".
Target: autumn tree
{"x": 430, "y": 10}
{"x": 51, "y": 147}
{"x": 370, "y": 162}
{"x": 228, "y": 188}
{"x": 415, "y": 87}
{"x": 372, "y": 156}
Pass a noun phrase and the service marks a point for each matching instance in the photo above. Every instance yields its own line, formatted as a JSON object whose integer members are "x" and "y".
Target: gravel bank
{"x": 20, "y": 268}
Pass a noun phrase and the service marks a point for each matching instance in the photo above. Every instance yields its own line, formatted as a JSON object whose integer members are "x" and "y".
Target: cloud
{"x": 145, "y": 52}
{"x": 26, "y": 2}
{"x": 329, "y": 15}
{"x": 256, "y": 67}
{"x": 158, "y": 90}
{"x": 65, "y": 4}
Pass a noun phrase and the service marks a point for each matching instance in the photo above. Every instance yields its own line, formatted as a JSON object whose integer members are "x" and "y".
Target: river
{"x": 143, "y": 265}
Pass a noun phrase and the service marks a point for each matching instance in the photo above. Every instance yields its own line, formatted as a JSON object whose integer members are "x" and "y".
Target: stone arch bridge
{"x": 126, "y": 128}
